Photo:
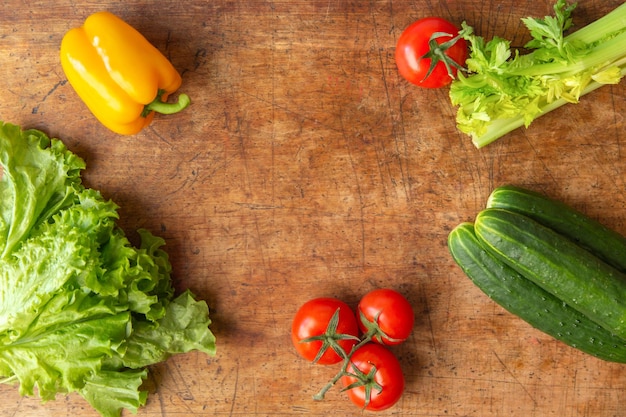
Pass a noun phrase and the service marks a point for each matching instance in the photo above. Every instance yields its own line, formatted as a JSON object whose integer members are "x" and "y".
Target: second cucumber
{"x": 558, "y": 265}
{"x": 603, "y": 242}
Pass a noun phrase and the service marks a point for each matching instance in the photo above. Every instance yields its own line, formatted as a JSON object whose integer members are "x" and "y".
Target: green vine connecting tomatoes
{"x": 326, "y": 331}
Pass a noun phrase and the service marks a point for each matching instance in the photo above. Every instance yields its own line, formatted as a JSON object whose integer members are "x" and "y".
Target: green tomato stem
{"x": 344, "y": 367}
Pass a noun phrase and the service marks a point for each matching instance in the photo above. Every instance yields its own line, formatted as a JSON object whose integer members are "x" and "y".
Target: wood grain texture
{"x": 306, "y": 166}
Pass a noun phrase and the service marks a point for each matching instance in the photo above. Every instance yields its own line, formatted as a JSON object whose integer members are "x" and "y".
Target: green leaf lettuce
{"x": 81, "y": 309}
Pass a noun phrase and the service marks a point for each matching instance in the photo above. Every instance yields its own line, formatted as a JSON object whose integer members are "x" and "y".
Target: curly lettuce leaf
{"x": 81, "y": 309}
{"x": 155, "y": 342}
{"x": 39, "y": 179}
{"x": 110, "y": 391}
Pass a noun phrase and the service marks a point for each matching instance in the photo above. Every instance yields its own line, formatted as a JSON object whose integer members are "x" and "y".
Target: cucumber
{"x": 603, "y": 242}
{"x": 530, "y": 302}
{"x": 558, "y": 265}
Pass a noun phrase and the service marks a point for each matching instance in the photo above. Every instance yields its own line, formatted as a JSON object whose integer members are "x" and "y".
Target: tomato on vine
{"x": 430, "y": 51}
{"x": 386, "y": 316}
{"x": 324, "y": 330}
{"x": 373, "y": 380}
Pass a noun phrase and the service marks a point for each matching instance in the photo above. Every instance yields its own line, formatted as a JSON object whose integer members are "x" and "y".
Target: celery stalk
{"x": 605, "y": 52}
{"x": 612, "y": 22}
{"x": 505, "y": 90}
{"x": 501, "y": 127}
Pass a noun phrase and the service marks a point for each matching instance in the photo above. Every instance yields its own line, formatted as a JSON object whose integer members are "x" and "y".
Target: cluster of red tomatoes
{"x": 327, "y": 331}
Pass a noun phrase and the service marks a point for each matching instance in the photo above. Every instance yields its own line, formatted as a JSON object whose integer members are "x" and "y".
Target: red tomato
{"x": 311, "y": 332}
{"x": 380, "y": 383}
{"x": 415, "y": 52}
{"x": 387, "y": 315}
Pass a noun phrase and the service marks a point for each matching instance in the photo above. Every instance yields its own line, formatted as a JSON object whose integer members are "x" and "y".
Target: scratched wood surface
{"x": 306, "y": 167}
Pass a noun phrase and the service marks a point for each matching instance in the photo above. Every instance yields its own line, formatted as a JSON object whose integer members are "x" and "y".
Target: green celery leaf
{"x": 548, "y": 34}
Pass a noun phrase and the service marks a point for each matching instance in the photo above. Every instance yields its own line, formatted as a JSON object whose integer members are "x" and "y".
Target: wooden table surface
{"x": 307, "y": 167}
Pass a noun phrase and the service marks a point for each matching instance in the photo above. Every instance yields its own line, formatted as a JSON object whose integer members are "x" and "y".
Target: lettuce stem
{"x": 9, "y": 380}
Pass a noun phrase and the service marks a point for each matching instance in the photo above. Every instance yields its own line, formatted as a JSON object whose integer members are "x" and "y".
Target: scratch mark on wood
{"x": 397, "y": 129}
{"x": 517, "y": 381}
{"x": 158, "y": 393}
{"x": 183, "y": 390}
{"x": 253, "y": 206}
{"x": 357, "y": 182}
{"x": 234, "y": 397}
{"x": 19, "y": 405}
{"x": 52, "y": 90}
{"x": 429, "y": 319}
{"x": 160, "y": 136}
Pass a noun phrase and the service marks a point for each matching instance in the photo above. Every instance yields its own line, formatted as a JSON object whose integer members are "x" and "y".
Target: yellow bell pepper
{"x": 121, "y": 77}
